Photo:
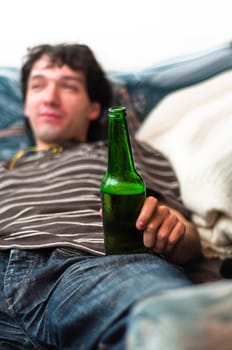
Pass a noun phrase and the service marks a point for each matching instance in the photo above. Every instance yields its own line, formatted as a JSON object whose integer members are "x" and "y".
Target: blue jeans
{"x": 198, "y": 317}
{"x": 58, "y": 299}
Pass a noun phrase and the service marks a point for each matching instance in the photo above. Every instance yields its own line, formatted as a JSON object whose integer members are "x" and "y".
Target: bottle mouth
{"x": 116, "y": 109}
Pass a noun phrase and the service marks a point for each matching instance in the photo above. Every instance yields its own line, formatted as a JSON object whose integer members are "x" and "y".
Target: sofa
{"x": 179, "y": 106}
{"x": 183, "y": 107}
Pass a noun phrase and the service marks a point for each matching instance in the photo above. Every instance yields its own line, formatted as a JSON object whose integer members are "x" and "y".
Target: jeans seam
{"x": 11, "y": 302}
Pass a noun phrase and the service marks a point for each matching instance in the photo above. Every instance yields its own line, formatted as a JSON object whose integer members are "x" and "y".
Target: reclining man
{"x": 58, "y": 290}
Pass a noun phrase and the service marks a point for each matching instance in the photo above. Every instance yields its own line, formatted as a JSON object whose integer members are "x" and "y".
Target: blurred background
{"x": 124, "y": 34}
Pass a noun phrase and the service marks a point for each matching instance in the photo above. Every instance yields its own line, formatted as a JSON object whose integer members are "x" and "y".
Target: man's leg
{"x": 11, "y": 334}
{"x": 197, "y": 317}
{"x": 67, "y": 301}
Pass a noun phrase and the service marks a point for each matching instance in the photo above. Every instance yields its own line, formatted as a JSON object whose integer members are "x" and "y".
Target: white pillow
{"x": 193, "y": 128}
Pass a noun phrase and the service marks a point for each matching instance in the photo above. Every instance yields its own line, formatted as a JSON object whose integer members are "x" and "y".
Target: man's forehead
{"x": 44, "y": 66}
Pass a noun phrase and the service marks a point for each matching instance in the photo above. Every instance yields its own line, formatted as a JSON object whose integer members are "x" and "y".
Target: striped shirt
{"x": 51, "y": 200}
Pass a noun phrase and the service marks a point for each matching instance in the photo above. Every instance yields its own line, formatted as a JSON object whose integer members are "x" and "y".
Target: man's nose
{"x": 51, "y": 94}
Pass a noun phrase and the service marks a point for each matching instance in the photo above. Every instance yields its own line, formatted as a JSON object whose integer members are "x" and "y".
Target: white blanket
{"x": 193, "y": 128}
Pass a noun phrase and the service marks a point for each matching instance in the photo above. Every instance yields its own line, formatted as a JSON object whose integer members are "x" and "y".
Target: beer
{"x": 120, "y": 215}
{"x": 122, "y": 190}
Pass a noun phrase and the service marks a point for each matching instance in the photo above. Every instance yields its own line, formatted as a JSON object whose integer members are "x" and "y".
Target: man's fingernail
{"x": 140, "y": 224}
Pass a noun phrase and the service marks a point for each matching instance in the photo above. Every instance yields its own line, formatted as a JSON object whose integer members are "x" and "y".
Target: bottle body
{"x": 119, "y": 216}
{"x": 122, "y": 191}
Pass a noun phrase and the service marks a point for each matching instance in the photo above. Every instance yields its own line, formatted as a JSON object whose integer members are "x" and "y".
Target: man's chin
{"x": 49, "y": 136}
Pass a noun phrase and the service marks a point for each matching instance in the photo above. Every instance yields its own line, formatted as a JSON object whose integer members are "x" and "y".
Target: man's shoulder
{"x": 143, "y": 149}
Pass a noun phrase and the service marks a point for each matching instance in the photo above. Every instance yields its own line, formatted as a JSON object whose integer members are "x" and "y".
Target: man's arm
{"x": 167, "y": 232}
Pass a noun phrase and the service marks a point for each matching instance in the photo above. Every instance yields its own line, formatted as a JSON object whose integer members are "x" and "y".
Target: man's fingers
{"x": 147, "y": 212}
{"x": 156, "y": 230}
{"x": 177, "y": 235}
{"x": 164, "y": 232}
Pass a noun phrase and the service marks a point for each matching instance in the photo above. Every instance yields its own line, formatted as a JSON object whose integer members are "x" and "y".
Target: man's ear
{"x": 95, "y": 111}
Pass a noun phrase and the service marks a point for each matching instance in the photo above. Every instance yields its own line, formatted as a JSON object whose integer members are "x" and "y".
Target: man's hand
{"x": 167, "y": 232}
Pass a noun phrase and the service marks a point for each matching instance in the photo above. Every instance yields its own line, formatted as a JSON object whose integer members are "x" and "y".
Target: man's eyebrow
{"x": 62, "y": 77}
{"x": 73, "y": 78}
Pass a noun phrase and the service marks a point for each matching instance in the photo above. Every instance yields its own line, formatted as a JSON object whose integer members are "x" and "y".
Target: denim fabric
{"x": 58, "y": 299}
{"x": 192, "y": 318}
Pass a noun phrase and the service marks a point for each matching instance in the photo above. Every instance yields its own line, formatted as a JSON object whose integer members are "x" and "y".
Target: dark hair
{"x": 78, "y": 57}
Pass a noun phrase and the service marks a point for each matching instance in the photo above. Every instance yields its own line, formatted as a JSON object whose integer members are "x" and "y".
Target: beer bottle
{"x": 122, "y": 190}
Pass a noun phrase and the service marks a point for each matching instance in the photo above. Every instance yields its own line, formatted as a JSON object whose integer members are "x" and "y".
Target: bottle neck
{"x": 120, "y": 157}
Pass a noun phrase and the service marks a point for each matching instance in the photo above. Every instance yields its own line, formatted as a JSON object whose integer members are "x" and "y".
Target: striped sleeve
{"x": 158, "y": 174}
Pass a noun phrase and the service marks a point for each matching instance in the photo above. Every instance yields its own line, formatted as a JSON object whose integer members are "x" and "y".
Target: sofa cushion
{"x": 192, "y": 127}
{"x": 139, "y": 91}
{"x": 12, "y": 129}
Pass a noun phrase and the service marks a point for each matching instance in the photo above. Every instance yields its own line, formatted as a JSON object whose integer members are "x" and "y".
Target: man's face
{"x": 57, "y": 104}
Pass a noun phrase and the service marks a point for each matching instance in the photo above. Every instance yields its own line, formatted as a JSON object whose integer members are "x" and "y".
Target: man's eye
{"x": 36, "y": 86}
{"x": 70, "y": 87}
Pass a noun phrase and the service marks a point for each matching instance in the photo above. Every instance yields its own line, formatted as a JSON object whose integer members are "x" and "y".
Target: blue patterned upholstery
{"x": 138, "y": 91}
{"x": 12, "y": 128}
{"x": 141, "y": 91}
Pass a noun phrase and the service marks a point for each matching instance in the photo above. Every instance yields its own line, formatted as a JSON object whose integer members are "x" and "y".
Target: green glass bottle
{"x": 122, "y": 189}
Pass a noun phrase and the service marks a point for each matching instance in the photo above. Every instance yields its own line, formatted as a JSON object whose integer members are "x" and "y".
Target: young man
{"x": 58, "y": 290}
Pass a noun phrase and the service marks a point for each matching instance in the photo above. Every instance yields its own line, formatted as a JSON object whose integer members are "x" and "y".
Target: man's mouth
{"x": 48, "y": 115}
